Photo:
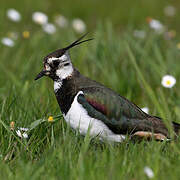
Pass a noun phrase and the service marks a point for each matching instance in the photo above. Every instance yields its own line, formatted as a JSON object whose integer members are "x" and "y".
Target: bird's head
{"x": 57, "y": 65}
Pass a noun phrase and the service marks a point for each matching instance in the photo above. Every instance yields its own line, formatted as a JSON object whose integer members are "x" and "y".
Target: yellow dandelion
{"x": 178, "y": 45}
{"x": 50, "y": 119}
{"x": 12, "y": 123}
{"x": 26, "y": 34}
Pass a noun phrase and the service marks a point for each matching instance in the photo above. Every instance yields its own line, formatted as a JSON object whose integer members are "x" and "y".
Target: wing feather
{"x": 120, "y": 115}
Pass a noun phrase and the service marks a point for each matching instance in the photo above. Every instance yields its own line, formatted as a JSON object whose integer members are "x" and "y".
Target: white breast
{"x": 78, "y": 118}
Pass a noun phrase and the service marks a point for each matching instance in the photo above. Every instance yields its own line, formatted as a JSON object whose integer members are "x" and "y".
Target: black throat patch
{"x": 65, "y": 95}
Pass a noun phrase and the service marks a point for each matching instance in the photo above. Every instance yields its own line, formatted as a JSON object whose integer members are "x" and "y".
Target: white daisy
{"x": 168, "y": 81}
{"x": 139, "y": 34}
{"x": 39, "y": 18}
{"x": 13, "y": 15}
{"x": 23, "y": 129}
{"x": 149, "y": 172}
{"x": 145, "y": 109}
{"x": 22, "y": 134}
{"x": 7, "y": 42}
{"x": 169, "y": 10}
{"x": 78, "y": 25}
{"x": 156, "y": 25}
{"x": 61, "y": 21}
{"x": 25, "y": 135}
{"x": 49, "y": 28}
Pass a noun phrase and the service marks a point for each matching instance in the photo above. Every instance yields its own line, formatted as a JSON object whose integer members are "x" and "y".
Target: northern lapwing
{"x": 88, "y": 105}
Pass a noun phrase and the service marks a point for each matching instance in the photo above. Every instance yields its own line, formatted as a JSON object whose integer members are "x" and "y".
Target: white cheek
{"x": 63, "y": 57}
{"x": 50, "y": 60}
{"x": 64, "y": 72}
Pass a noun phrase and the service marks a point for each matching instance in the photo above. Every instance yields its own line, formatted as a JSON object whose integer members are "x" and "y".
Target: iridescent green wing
{"x": 111, "y": 104}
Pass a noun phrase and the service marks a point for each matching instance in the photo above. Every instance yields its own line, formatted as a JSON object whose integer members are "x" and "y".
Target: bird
{"x": 90, "y": 107}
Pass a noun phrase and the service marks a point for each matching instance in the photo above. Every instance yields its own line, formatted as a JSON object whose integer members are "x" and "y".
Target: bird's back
{"x": 124, "y": 116}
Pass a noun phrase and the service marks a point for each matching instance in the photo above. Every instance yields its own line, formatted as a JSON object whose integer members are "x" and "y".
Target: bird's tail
{"x": 176, "y": 127}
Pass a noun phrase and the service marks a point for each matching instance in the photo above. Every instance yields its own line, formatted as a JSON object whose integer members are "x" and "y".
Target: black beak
{"x": 40, "y": 75}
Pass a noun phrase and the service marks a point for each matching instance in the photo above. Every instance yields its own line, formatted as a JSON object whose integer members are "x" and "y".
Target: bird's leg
{"x": 148, "y": 135}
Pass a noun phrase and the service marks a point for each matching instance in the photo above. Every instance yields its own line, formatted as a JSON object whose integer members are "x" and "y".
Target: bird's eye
{"x": 56, "y": 62}
{"x": 66, "y": 64}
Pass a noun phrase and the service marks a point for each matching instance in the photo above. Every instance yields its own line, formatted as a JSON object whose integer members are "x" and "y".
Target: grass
{"x": 132, "y": 67}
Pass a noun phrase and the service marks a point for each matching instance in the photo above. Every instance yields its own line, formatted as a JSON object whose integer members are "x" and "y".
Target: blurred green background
{"x": 120, "y": 13}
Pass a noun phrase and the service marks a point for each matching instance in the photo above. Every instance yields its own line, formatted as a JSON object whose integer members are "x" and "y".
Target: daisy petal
{"x": 61, "y": 21}
{"x": 39, "y": 18}
{"x": 169, "y": 10}
{"x": 7, "y": 42}
{"x": 78, "y": 25}
{"x": 168, "y": 81}
{"x": 49, "y": 28}
{"x": 149, "y": 172}
{"x": 13, "y": 15}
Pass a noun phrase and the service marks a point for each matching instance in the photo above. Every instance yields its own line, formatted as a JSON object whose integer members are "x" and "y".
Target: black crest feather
{"x": 77, "y": 42}
{"x": 60, "y": 52}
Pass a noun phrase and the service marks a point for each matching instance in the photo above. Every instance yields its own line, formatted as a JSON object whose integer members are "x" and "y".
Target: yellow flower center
{"x": 50, "y": 119}
{"x": 168, "y": 82}
{"x": 26, "y": 34}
